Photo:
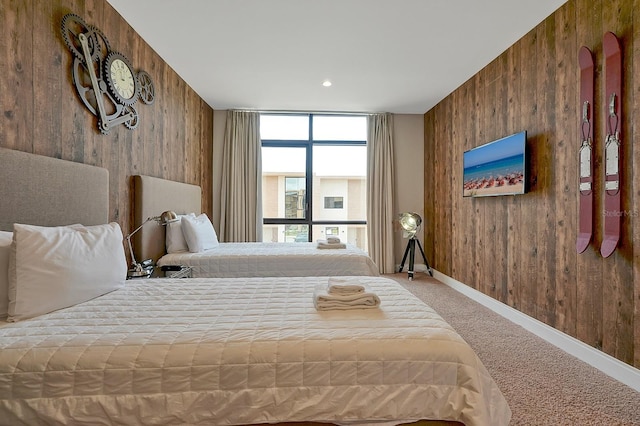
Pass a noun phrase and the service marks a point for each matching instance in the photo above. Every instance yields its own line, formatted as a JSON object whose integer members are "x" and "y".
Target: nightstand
{"x": 177, "y": 271}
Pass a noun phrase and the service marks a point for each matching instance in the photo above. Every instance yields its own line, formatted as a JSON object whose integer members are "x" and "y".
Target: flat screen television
{"x": 496, "y": 168}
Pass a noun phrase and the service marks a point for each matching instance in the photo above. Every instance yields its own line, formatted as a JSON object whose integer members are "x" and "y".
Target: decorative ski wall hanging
{"x": 585, "y": 225}
{"x": 612, "y": 158}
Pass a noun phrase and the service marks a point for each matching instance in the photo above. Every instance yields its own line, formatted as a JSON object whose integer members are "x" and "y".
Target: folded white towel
{"x": 333, "y": 240}
{"x": 323, "y": 301}
{"x": 323, "y": 244}
{"x": 345, "y": 286}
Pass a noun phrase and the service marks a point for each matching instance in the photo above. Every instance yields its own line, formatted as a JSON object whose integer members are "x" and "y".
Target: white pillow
{"x": 5, "y": 248}
{"x": 174, "y": 238}
{"x": 199, "y": 233}
{"x": 53, "y": 268}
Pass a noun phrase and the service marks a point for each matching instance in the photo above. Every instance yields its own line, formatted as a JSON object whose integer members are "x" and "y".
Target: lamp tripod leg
{"x": 404, "y": 258}
{"x": 412, "y": 253}
{"x": 426, "y": 262}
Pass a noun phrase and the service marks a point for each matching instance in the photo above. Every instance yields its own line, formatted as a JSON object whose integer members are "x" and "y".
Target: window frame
{"x": 308, "y": 145}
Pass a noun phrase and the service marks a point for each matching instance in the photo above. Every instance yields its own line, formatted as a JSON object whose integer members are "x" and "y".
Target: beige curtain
{"x": 380, "y": 180}
{"x": 241, "y": 192}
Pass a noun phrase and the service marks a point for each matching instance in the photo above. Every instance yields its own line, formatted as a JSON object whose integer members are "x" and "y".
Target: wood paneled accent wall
{"x": 520, "y": 250}
{"x": 41, "y": 113}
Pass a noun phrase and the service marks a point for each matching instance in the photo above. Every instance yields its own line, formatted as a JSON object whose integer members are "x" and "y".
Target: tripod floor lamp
{"x": 410, "y": 223}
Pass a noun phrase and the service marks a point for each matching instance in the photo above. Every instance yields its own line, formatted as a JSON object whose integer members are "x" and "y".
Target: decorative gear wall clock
{"x": 105, "y": 80}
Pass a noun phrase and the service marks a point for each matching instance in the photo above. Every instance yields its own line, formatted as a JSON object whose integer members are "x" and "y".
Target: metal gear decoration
{"x": 72, "y": 26}
{"x": 105, "y": 81}
{"x": 81, "y": 80}
{"x": 102, "y": 45}
{"x": 147, "y": 91}
{"x": 133, "y": 122}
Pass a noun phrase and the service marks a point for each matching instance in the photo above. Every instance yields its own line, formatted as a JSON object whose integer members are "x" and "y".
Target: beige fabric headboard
{"x": 46, "y": 191}
{"x": 152, "y": 196}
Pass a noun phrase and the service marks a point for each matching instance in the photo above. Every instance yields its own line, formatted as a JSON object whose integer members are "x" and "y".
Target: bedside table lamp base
{"x": 138, "y": 271}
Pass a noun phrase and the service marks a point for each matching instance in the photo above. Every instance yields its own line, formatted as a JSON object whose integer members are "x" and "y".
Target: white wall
{"x": 409, "y": 166}
{"x": 409, "y": 170}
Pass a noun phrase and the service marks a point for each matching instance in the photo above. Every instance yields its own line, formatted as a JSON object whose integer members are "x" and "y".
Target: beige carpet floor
{"x": 542, "y": 384}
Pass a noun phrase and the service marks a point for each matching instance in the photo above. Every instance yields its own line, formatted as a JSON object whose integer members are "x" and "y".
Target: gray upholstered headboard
{"x": 152, "y": 196}
{"x": 46, "y": 191}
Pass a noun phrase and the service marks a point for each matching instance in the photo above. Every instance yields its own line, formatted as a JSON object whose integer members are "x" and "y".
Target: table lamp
{"x": 145, "y": 269}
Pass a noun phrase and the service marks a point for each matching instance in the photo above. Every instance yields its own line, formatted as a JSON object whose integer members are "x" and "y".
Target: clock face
{"x": 123, "y": 79}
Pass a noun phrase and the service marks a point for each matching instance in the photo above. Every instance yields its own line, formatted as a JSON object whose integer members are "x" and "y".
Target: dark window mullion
{"x": 340, "y": 222}
{"x": 272, "y": 143}
{"x": 309, "y": 214}
{"x": 340, "y": 143}
{"x": 284, "y": 221}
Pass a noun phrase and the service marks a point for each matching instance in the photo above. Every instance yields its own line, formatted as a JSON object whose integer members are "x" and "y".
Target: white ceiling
{"x": 400, "y": 56}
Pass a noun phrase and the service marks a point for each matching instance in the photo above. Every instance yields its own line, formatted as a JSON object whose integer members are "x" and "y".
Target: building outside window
{"x": 333, "y": 202}
{"x": 314, "y": 177}
{"x": 294, "y": 198}
{"x": 332, "y": 231}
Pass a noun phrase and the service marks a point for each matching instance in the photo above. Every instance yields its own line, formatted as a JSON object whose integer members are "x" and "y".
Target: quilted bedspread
{"x": 241, "y": 351}
{"x": 274, "y": 260}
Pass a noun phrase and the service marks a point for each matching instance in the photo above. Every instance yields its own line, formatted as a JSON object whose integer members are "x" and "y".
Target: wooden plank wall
{"x": 521, "y": 249}
{"x": 42, "y": 114}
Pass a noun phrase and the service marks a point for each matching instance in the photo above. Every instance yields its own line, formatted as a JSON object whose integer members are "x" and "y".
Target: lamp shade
{"x": 410, "y": 223}
{"x": 168, "y": 217}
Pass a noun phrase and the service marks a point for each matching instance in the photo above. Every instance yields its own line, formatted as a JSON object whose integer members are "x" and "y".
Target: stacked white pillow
{"x": 199, "y": 233}
{"x": 51, "y": 268}
{"x": 174, "y": 237}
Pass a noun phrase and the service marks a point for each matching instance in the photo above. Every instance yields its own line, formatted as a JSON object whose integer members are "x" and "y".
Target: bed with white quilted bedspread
{"x": 241, "y": 351}
{"x": 274, "y": 260}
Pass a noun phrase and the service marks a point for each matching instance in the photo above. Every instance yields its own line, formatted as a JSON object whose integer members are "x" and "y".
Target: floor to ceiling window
{"x": 314, "y": 177}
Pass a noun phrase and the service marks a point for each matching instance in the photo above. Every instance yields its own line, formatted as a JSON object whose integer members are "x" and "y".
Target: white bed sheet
{"x": 241, "y": 351}
{"x": 274, "y": 260}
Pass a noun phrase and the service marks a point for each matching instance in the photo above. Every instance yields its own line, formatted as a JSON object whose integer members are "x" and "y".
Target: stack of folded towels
{"x": 343, "y": 294}
{"x": 331, "y": 243}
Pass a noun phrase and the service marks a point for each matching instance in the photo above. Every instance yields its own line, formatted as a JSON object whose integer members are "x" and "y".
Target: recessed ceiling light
{"x": 326, "y": 83}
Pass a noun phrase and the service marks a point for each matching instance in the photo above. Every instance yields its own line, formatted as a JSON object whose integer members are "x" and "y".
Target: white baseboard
{"x": 417, "y": 267}
{"x": 609, "y": 365}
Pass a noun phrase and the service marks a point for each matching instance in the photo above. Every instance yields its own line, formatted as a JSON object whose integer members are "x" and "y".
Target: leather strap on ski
{"x": 612, "y": 158}
{"x": 585, "y": 156}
